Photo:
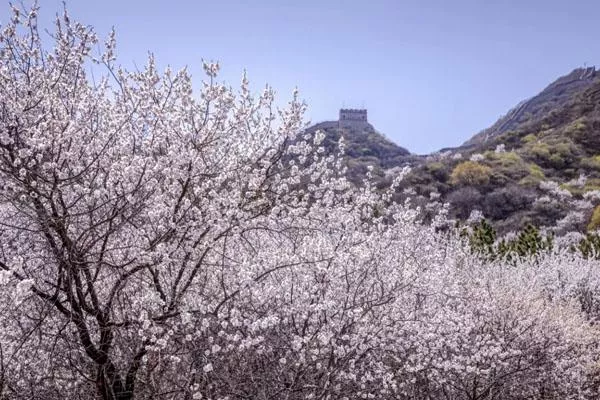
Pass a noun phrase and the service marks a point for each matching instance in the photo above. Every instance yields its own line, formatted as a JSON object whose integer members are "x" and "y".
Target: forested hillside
{"x": 547, "y": 144}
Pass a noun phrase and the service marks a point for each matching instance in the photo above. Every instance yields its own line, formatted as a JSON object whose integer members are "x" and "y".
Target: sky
{"x": 431, "y": 73}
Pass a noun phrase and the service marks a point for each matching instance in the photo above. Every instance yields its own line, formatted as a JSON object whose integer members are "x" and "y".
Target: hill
{"x": 364, "y": 147}
{"x": 504, "y": 170}
{"x": 553, "y": 136}
{"x": 556, "y": 95}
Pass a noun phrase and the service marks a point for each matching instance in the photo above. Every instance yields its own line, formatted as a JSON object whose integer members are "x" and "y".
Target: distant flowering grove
{"x": 165, "y": 240}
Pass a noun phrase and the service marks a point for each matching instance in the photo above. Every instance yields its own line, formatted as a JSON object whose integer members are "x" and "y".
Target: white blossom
{"x": 190, "y": 243}
{"x": 477, "y": 157}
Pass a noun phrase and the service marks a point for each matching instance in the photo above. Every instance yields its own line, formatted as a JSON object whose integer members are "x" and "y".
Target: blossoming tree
{"x": 160, "y": 244}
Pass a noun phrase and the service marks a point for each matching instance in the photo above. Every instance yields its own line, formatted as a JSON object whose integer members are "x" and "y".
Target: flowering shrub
{"x": 477, "y": 157}
{"x": 157, "y": 244}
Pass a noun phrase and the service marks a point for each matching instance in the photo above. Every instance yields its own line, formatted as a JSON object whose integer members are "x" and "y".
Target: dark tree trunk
{"x": 110, "y": 385}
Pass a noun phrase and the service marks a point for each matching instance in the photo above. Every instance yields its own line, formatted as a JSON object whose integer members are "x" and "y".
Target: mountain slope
{"x": 364, "y": 147}
{"x": 553, "y": 97}
{"x": 501, "y": 171}
{"x": 554, "y": 136}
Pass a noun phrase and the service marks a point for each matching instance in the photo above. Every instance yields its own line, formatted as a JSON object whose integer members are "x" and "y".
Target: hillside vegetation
{"x": 537, "y": 165}
{"x": 365, "y": 148}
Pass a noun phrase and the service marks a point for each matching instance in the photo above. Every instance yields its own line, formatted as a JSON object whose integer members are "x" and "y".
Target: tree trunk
{"x": 110, "y": 385}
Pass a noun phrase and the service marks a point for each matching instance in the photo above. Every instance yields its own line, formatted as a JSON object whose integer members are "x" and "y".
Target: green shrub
{"x": 470, "y": 173}
{"x": 591, "y": 184}
{"x": 439, "y": 171}
{"x": 482, "y": 239}
{"x": 555, "y": 153}
{"x": 536, "y": 175}
{"x": 594, "y": 220}
{"x": 540, "y": 150}
{"x": 557, "y": 161}
{"x": 591, "y": 162}
{"x": 589, "y": 246}
{"x": 508, "y": 164}
{"x": 536, "y": 171}
{"x": 576, "y": 127}
{"x": 529, "y": 138}
{"x": 528, "y": 243}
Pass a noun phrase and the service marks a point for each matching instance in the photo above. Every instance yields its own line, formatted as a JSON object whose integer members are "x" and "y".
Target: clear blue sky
{"x": 431, "y": 73}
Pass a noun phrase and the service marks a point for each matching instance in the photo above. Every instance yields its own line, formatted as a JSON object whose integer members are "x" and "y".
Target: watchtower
{"x": 353, "y": 118}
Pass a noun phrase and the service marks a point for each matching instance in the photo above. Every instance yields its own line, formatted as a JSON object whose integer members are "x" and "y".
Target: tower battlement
{"x": 353, "y": 118}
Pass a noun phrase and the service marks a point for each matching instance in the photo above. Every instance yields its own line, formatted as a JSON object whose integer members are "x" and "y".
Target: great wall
{"x": 353, "y": 118}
